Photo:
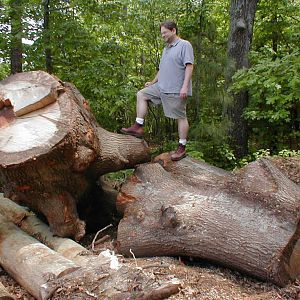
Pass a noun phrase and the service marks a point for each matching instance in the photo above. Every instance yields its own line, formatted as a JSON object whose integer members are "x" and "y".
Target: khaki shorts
{"x": 173, "y": 106}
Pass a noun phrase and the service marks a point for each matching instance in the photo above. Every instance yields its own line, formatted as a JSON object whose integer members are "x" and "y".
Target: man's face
{"x": 168, "y": 35}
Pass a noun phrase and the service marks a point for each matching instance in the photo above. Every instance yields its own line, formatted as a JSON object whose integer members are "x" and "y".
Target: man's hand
{"x": 183, "y": 93}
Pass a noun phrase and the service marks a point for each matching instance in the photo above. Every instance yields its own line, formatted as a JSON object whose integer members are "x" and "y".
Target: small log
{"x": 52, "y": 151}
{"x": 30, "y": 263}
{"x": 12, "y": 211}
{"x": 4, "y": 294}
{"x": 39, "y": 230}
{"x": 247, "y": 220}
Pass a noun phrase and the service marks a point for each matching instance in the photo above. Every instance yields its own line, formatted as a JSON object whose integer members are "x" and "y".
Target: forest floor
{"x": 199, "y": 280}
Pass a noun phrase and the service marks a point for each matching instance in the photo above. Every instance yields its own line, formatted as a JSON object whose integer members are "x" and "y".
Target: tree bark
{"x": 51, "y": 158}
{"x": 94, "y": 268}
{"x": 16, "y": 48}
{"x": 29, "y": 262}
{"x": 47, "y": 39}
{"x": 33, "y": 226}
{"x": 247, "y": 221}
{"x": 242, "y": 15}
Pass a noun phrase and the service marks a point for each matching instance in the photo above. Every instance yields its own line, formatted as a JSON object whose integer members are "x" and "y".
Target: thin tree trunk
{"x": 48, "y": 54}
{"x": 242, "y": 15}
{"x": 16, "y": 48}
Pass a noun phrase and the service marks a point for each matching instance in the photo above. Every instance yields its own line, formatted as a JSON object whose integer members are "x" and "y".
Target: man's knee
{"x": 140, "y": 95}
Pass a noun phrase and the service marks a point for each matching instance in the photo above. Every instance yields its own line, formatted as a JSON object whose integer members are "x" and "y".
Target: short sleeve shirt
{"x": 172, "y": 66}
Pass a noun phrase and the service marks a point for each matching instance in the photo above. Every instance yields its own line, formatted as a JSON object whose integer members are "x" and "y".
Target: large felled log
{"x": 248, "y": 221}
{"x": 29, "y": 262}
{"x": 52, "y": 151}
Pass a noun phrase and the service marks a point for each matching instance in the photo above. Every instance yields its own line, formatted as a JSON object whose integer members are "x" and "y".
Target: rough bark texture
{"x": 16, "y": 52}
{"x": 33, "y": 226}
{"x": 51, "y": 158}
{"x": 41, "y": 270}
{"x": 242, "y": 13}
{"x": 247, "y": 221}
{"x": 29, "y": 262}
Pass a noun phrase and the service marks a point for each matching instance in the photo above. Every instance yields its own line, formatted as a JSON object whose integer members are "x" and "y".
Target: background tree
{"x": 242, "y": 14}
{"x": 16, "y": 47}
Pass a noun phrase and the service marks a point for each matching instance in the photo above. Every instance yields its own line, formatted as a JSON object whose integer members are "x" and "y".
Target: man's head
{"x": 168, "y": 30}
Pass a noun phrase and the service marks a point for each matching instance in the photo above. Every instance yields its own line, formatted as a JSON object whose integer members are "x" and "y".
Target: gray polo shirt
{"x": 172, "y": 65}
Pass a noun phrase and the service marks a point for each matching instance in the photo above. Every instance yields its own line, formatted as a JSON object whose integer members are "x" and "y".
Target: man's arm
{"x": 187, "y": 77}
{"x": 153, "y": 81}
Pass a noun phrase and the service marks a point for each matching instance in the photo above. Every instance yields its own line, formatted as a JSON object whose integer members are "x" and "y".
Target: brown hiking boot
{"x": 136, "y": 130}
{"x": 179, "y": 154}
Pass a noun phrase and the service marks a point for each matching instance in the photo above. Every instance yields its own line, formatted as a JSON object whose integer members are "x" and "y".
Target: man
{"x": 170, "y": 87}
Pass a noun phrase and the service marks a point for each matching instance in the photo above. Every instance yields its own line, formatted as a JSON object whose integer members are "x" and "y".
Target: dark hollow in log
{"x": 53, "y": 152}
{"x": 248, "y": 221}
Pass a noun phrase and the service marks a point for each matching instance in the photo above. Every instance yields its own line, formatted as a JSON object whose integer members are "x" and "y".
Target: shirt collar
{"x": 174, "y": 43}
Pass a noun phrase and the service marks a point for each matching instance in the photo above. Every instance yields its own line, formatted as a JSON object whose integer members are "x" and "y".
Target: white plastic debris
{"x": 114, "y": 263}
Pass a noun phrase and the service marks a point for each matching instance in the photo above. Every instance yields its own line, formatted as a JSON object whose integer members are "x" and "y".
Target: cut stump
{"x": 52, "y": 151}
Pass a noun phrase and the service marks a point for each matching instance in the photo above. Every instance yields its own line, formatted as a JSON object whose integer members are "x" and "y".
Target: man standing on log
{"x": 170, "y": 87}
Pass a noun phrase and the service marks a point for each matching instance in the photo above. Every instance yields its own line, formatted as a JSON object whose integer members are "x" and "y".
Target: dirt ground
{"x": 199, "y": 280}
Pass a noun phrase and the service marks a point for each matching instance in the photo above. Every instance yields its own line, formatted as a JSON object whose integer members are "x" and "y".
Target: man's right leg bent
{"x": 141, "y": 105}
{"x": 137, "y": 129}
{"x": 150, "y": 93}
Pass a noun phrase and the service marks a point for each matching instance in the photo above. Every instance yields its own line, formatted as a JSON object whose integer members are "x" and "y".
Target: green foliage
{"x": 118, "y": 178}
{"x": 4, "y": 70}
{"x": 274, "y": 87}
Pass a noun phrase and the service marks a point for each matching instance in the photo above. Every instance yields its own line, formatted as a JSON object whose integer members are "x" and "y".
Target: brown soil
{"x": 199, "y": 280}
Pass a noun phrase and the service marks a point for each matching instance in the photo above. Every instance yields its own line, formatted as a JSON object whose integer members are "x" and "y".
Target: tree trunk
{"x": 16, "y": 48}
{"x": 247, "y": 221}
{"x": 29, "y": 262}
{"x": 52, "y": 155}
{"x": 242, "y": 15}
{"x": 48, "y": 52}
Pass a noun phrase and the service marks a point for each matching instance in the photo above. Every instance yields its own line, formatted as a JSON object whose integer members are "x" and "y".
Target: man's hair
{"x": 169, "y": 25}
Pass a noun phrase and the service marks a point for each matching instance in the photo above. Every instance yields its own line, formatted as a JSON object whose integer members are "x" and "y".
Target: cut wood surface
{"x": 29, "y": 262}
{"x": 52, "y": 157}
{"x": 4, "y": 294}
{"x": 247, "y": 221}
{"x": 30, "y": 95}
